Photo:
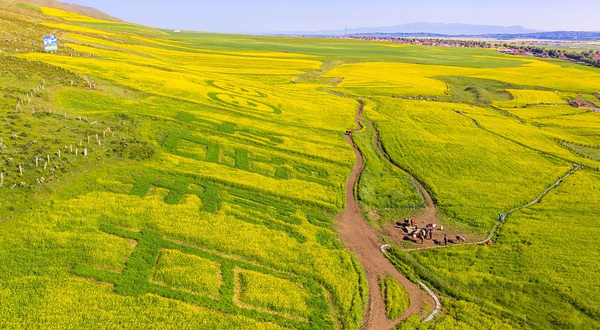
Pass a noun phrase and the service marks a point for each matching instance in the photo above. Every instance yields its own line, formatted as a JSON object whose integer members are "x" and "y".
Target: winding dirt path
{"x": 363, "y": 240}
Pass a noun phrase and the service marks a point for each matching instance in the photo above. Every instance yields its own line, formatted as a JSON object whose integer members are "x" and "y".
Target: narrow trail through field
{"x": 362, "y": 239}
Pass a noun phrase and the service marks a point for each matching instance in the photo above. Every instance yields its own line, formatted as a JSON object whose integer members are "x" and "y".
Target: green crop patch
{"x": 592, "y": 152}
{"x": 178, "y": 188}
{"x": 159, "y": 266}
{"x": 230, "y": 128}
{"x": 211, "y": 152}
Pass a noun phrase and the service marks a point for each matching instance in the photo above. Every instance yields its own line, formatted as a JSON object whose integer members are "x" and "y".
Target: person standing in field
{"x": 445, "y": 239}
{"x": 420, "y": 236}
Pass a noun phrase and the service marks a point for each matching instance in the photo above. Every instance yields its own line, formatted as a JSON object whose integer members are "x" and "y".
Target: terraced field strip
{"x": 430, "y": 215}
{"x": 362, "y": 240}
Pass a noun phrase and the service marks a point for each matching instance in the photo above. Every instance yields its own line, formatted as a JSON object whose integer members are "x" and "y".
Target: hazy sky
{"x": 260, "y": 16}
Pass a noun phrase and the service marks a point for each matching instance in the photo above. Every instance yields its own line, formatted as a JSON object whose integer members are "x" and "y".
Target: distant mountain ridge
{"x": 553, "y": 35}
{"x": 449, "y": 29}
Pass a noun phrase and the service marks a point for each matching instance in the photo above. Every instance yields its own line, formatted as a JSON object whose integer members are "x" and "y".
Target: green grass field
{"x": 396, "y": 299}
{"x": 153, "y": 179}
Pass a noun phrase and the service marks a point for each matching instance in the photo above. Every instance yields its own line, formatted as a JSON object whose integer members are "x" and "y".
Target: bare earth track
{"x": 362, "y": 240}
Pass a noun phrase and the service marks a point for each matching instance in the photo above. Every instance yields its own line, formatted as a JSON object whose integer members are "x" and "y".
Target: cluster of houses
{"x": 429, "y": 42}
{"x": 517, "y": 51}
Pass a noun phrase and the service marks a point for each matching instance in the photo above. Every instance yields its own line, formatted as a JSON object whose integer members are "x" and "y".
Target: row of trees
{"x": 589, "y": 57}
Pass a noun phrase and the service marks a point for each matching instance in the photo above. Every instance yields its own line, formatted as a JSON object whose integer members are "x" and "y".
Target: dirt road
{"x": 363, "y": 240}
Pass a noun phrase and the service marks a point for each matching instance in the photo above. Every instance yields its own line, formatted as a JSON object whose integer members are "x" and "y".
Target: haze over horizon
{"x": 268, "y": 16}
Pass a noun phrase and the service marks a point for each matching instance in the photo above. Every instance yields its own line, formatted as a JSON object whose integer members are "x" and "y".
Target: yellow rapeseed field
{"x": 522, "y": 98}
{"x": 215, "y": 168}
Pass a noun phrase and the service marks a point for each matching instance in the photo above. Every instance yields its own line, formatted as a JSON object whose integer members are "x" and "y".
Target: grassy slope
{"x": 396, "y": 299}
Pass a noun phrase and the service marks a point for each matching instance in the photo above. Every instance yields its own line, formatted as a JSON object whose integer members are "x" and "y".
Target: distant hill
{"x": 445, "y": 30}
{"x": 450, "y": 29}
{"x": 74, "y": 8}
{"x": 554, "y": 35}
